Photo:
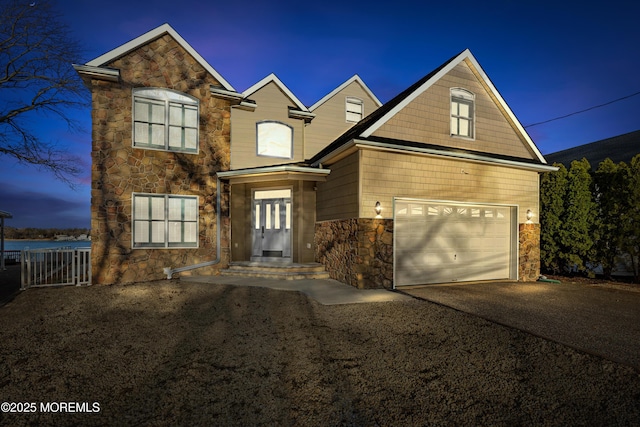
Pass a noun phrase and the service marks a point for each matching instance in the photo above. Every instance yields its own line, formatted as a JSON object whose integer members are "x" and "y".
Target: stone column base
{"x": 529, "y": 259}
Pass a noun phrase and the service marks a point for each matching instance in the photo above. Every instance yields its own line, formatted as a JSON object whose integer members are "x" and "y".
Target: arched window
{"x": 165, "y": 120}
{"x": 274, "y": 139}
{"x": 462, "y": 113}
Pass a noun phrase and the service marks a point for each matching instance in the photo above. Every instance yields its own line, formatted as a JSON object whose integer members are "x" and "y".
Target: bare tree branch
{"x": 37, "y": 79}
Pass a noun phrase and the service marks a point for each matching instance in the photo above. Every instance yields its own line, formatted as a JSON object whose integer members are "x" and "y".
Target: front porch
{"x": 273, "y": 214}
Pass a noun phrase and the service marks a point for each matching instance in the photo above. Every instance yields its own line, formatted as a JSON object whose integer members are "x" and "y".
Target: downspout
{"x": 168, "y": 271}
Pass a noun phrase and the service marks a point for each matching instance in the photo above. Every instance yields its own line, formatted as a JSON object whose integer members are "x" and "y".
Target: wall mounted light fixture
{"x": 529, "y": 214}
{"x": 378, "y": 208}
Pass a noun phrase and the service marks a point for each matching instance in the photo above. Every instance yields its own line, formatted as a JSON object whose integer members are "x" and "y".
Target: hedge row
{"x": 590, "y": 218}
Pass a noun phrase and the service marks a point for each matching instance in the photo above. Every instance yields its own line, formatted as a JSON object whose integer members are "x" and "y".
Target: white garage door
{"x": 438, "y": 242}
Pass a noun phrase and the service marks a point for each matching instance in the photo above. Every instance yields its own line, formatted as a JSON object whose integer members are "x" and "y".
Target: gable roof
{"x": 331, "y": 94}
{"x": 272, "y": 78}
{"x": 367, "y": 126}
{"x": 150, "y": 36}
{"x": 621, "y": 148}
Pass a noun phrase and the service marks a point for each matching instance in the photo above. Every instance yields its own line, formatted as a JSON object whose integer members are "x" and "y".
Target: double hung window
{"x": 165, "y": 120}
{"x": 165, "y": 221}
{"x": 462, "y": 113}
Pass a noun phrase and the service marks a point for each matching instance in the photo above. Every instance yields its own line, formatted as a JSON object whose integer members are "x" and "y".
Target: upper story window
{"x": 274, "y": 139}
{"x": 462, "y": 113}
{"x": 165, "y": 120}
{"x": 354, "y": 109}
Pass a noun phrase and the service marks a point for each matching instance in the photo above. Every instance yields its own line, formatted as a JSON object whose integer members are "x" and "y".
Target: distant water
{"x": 18, "y": 245}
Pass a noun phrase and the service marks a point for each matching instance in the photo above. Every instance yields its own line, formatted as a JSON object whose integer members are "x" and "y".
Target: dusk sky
{"x": 546, "y": 58}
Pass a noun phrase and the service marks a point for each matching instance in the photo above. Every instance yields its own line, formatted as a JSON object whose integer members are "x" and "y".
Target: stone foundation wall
{"x": 529, "y": 259}
{"x": 357, "y": 251}
{"x": 118, "y": 169}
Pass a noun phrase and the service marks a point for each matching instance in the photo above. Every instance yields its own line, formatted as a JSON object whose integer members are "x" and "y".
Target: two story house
{"x": 439, "y": 184}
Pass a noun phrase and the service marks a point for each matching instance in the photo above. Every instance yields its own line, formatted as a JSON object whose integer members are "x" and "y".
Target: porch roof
{"x": 275, "y": 173}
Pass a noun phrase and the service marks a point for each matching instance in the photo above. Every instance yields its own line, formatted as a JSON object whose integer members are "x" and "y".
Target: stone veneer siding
{"x": 529, "y": 262}
{"x": 359, "y": 252}
{"x": 118, "y": 169}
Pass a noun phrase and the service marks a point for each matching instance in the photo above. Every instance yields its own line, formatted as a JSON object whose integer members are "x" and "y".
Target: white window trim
{"x": 352, "y": 100}
{"x": 258, "y": 142}
{"x": 470, "y": 98}
{"x": 165, "y": 220}
{"x": 166, "y": 97}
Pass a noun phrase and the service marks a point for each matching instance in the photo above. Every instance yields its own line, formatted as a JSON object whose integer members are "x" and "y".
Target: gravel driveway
{"x": 604, "y": 321}
{"x": 172, "y": 353}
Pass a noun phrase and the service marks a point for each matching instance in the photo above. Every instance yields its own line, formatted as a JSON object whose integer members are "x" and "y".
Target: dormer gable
{"x": 338, "y": 111}
{"x": 296, "y": 109}
{"x": 268, "y": 125}
{"x": 354, "y": 79}
{"x": 272, "y": 78}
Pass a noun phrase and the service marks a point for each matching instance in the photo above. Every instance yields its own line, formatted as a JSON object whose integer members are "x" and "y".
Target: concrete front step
{"x": 276, "y": 271}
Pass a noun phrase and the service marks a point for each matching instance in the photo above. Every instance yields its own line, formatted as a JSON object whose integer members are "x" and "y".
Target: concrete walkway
{"x": 325, "y": 291}
{"x": 597, "y": 320}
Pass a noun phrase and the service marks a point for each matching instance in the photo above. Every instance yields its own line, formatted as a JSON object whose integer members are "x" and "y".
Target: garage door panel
{"x": 438, "y": 242}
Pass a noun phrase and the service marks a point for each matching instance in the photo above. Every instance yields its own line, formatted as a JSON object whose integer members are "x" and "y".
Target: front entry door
{"x": 271, "y": 220}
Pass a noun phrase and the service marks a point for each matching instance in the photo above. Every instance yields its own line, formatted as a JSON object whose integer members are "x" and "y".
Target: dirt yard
{"x": 172, "y": 353}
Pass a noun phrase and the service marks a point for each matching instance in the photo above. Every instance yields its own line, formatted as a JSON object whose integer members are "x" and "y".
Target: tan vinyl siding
{"x": 240, "y": 222}
{"x": 337, "y": 198}
{"x": 330, "y": 121}
{"x": 306, "y": 207}
{"x": 427, "y": 119}
{"x": 386, "y": 175}
{"x": 272, "y": 104}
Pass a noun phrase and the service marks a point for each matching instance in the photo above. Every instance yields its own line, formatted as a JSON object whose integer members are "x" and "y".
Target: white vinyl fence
{"x": 56, "y": 267}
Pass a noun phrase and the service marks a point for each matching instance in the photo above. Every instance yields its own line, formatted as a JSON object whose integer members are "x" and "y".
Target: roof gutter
{"x": 440, "y": 153}
{"x": 273, "y": 169}
{"x": 341, "y": 149}
{"x": 226, "y": 94}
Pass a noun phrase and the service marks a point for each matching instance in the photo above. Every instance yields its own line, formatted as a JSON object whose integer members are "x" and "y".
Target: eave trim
{"x": 273, "y": 170}
{"x": 226, "y": 94}
{"x": 100, "y": 73}
{"x": 273, "y": 78}
{"x": 337, "y": 90}
{"x": 152, "y": 35}
{"x": 359, "y": 143}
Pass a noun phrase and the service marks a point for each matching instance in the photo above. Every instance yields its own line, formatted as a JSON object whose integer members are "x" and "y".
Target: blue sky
{"x": 546, "y": 58}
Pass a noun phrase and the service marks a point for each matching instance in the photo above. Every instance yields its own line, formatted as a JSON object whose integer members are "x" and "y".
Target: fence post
{"x": 25, "y": 271}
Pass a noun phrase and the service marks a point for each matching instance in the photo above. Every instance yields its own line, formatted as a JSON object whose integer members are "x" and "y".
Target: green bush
{"x": 590, "y": 218}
